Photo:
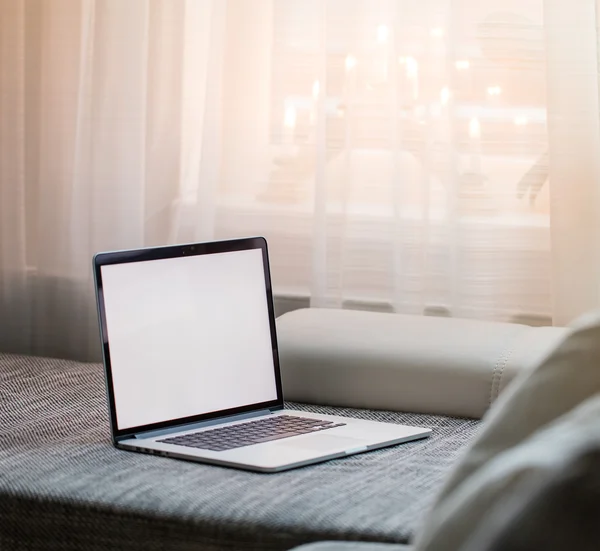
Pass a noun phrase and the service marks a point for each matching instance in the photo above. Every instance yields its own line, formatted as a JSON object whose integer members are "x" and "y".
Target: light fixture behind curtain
{"x": 409, "y": 159}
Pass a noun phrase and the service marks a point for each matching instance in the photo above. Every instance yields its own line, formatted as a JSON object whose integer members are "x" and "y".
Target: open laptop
{"x": 192, "y": 366}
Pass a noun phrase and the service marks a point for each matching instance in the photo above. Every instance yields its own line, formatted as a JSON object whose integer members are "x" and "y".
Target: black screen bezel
{"x": 176, "y": 251}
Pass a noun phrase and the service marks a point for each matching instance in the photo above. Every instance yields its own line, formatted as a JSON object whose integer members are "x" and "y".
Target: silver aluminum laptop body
{"x": 189, "y": 345}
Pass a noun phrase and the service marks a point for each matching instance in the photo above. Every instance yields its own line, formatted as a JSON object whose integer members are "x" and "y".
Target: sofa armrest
{"x": 404, "y": 363}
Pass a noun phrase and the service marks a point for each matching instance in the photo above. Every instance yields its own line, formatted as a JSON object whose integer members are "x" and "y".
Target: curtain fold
{"x": 431, "y": 158}
{"x": 571, "y": 39}
{"x": 13, "y": 173}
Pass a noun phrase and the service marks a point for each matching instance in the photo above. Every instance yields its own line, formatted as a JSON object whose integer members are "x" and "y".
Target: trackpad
{"x": 325, "y": 442}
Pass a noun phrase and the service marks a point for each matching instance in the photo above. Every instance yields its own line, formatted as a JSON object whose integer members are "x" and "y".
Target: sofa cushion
{"x": 404, "y": 363}
{"x": 546, "y": 422}
{"x": 64, "y": 486}
{"x": 555, "y": 510}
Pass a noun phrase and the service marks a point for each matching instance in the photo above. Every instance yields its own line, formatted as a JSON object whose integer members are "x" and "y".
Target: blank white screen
{"x": 188, "y": 336}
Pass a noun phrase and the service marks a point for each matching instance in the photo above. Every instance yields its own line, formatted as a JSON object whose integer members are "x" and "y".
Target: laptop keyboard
{"x": 252, "y": 432}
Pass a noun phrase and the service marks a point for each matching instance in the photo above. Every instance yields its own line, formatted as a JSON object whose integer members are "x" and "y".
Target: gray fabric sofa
{"x": 63, "y": 486}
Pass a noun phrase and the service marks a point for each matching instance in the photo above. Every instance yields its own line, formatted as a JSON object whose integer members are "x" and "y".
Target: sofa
{"x": 64, "y": 486}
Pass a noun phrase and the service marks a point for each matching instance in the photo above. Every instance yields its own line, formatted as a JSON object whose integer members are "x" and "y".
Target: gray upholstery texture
{"x": 64, "y": 486}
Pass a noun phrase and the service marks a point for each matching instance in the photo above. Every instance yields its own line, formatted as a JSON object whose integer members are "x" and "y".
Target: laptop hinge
{"x": 201, "y": 424}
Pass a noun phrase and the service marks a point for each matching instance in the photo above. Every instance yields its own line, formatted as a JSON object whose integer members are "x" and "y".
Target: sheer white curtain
{"x": 422, "y": 156}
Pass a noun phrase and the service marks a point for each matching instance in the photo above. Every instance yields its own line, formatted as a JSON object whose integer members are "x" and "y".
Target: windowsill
{"x": 250, "y": 204}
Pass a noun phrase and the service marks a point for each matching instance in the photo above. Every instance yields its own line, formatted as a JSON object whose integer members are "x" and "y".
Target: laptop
{"x": 192, "y": 366}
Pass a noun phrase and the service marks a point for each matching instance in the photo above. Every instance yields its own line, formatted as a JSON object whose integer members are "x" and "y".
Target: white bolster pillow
{"x": 397, "y": 362}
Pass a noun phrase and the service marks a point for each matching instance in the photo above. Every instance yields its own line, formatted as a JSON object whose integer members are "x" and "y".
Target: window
{"x": 394, "y": 153}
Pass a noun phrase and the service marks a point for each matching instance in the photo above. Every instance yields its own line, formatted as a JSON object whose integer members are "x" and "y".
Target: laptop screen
{"x": 188, "y": 336}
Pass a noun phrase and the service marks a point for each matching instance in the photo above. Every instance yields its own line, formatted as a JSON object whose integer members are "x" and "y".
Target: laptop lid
{"x": 188, "y": 333}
